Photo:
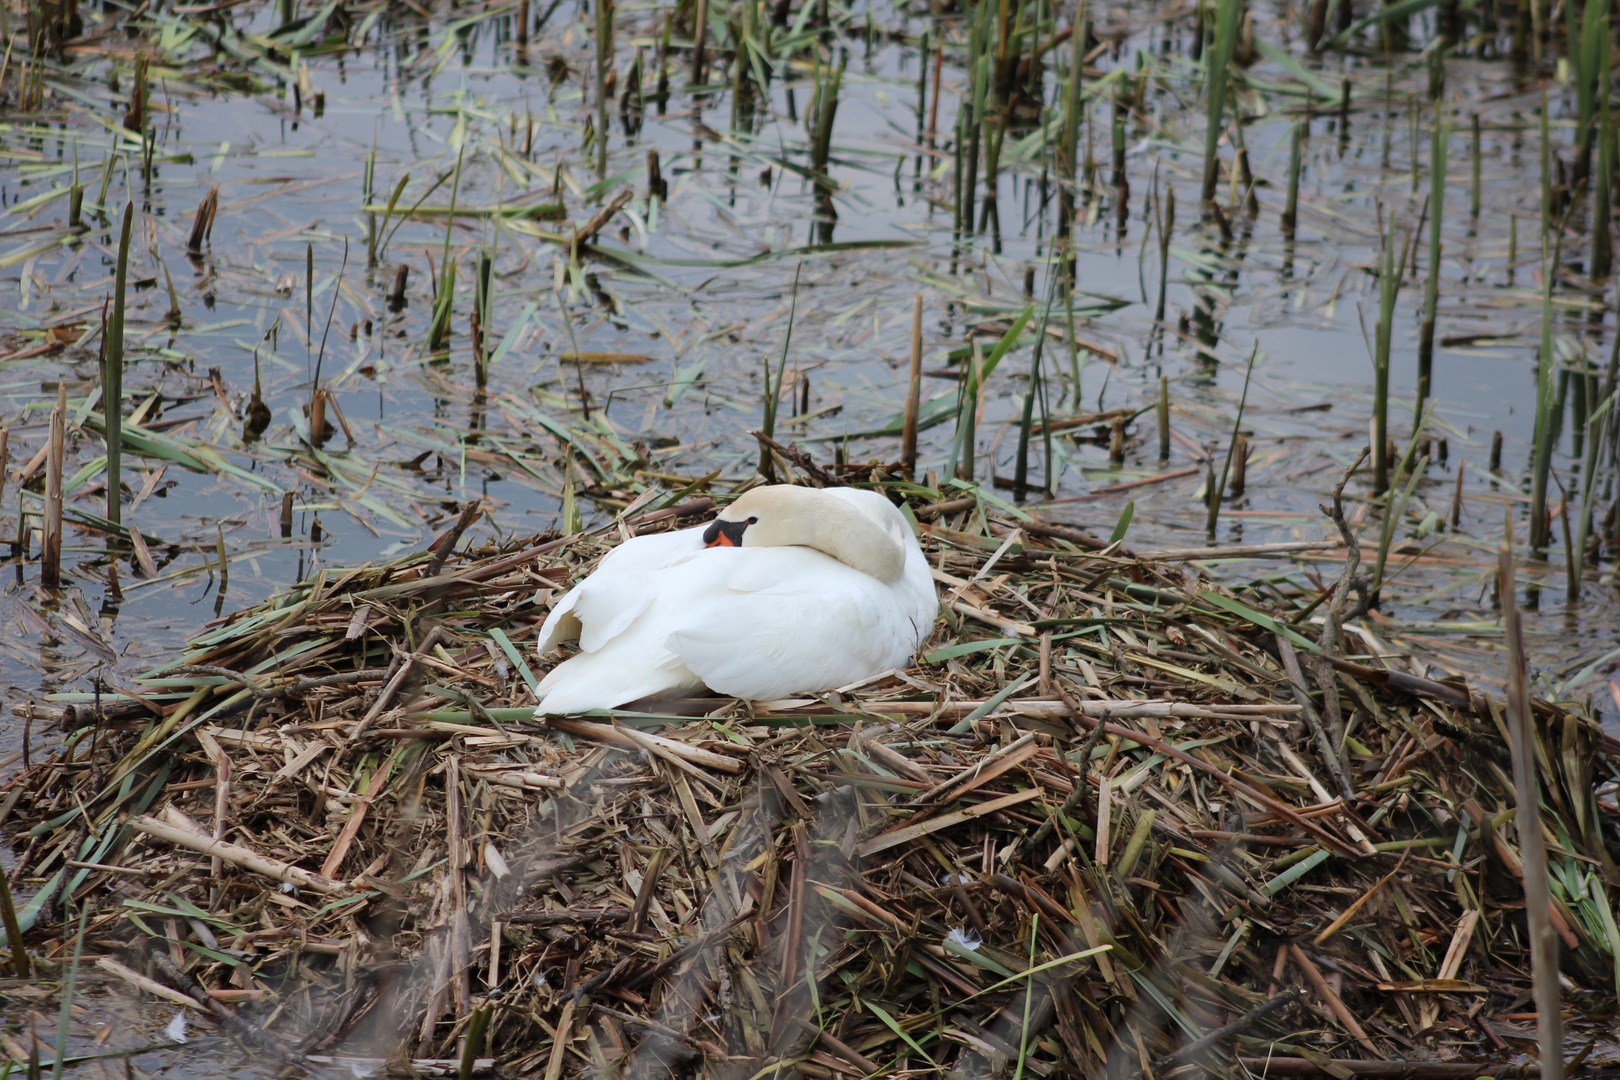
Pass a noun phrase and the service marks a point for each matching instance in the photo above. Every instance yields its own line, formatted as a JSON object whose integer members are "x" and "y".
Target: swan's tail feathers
{"x": 601, "y": 680}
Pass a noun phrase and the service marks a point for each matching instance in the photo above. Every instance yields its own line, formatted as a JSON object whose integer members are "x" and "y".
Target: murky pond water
{"x": 680, "y": 308}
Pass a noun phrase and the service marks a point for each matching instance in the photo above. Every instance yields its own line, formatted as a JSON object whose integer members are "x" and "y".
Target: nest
{"x": 1117, "y": 817}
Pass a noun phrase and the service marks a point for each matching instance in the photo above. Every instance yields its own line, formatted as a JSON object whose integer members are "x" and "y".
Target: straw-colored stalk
{"x": 50, "y": 558}
{"x": 112, "y": 375}
{"x": 1527, "y": 823}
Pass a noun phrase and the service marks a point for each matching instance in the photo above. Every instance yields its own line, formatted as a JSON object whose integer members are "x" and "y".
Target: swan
{"x": 789, "y": 590}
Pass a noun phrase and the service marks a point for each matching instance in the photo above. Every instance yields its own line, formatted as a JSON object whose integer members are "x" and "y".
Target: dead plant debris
{"x": 1101, "y": 823}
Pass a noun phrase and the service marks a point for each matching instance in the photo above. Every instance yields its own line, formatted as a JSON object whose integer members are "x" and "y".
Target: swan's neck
{"x": 858, "y": 542}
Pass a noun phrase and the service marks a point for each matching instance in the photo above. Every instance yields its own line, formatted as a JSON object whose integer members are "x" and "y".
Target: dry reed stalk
{"x": 812, "y": 839}
{"x": 1523, "y": 742}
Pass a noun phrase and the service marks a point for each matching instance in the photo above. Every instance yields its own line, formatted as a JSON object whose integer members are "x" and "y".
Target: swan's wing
{"x": 618, "y": 592}
{"x": 792, "y": 619}
{"x": 623, "y": 614}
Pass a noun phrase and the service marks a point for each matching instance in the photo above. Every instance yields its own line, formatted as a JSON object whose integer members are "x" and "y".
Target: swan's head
{"x": 858, "y": 528}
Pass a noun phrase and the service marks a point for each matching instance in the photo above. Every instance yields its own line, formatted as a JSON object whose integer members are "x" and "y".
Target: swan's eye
{"x": 752, "y": 521}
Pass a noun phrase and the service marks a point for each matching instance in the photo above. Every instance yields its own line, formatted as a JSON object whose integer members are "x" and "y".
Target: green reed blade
{"x": 1217, "y": 65}
{"x": 1440, "y": 142}
{"x": 773, "y": 388}
{"x": 1392, "y": 265}
{"x": 112, "y": 375}
{"x": 1216, "y": 491}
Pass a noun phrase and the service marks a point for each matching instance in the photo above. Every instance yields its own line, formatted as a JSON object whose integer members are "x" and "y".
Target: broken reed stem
{"x": 1527, "y": 823}
{"x": 908, "y": 437}
{"x": 1167, "y": 227}
{"x": 112, "y": 376}
{"x": 14, "y": 938}
{"x": 1547, "y": 407}
{"x": 1291, "y": 211}
{"x": 50, "y": 557}
{"x": 1473, "y": 195}
{"x": 700, "y": 35}
{"x": 604, "y": 58}
{"x": 1163, "y": 409}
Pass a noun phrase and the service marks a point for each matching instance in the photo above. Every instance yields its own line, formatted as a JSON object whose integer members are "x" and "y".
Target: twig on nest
{"x": 800, "y": 460}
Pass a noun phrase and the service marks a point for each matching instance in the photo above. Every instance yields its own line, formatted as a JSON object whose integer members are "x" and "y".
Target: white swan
{"x": 789, "y": 590}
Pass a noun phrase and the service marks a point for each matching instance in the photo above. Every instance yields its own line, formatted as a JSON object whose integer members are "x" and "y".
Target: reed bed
{"x": 1118, "y": 817}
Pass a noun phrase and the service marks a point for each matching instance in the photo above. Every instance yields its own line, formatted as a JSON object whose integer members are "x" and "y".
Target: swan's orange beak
{"x": 723, "y": 533}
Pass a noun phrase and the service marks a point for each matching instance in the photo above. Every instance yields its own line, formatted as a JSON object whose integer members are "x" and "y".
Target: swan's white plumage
{"x": 665, "y": 615}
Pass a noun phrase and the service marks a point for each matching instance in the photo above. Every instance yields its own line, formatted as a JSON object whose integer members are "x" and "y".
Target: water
{"x": 708, "y": 325}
